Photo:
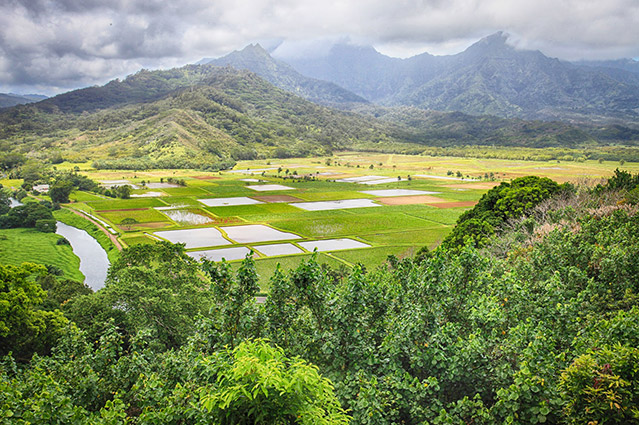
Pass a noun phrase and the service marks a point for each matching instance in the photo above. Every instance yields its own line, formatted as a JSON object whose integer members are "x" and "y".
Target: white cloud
{"x": 70, "y": 43}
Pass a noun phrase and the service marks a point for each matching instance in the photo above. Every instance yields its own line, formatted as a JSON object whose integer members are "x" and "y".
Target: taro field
{"x": 350, "y": 209}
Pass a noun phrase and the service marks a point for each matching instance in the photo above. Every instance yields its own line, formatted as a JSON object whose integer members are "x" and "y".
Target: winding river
{"x": 94, "y": 262}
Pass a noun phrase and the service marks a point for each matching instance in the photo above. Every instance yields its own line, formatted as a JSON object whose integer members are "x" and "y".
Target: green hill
{"x": 208, "y": 116}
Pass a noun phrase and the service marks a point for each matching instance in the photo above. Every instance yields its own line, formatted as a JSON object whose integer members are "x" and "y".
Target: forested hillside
{"x": 185, "y": 118}
{"x": 208, "y": 117}
{"x": 536, "y": 324}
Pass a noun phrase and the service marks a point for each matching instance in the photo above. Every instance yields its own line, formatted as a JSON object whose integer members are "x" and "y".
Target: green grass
{"x": 116, "y": 204}
{"x": 333, "y": 195}
{"x": 29, "y": 245}
{"x": 142, "y": 216}
{"x": 136, "y": 239}
{"x": 227, "y": 190}
{"x": 415, "y": 238}
{"x": 74, "y": 220}
{"x": 371, "y": 258}
{"x": 257, "y": 212}
{"x": 446, "y": 216}
{"x": 184, "y": 191}
{"x": 80, "y": 196}
{"x": 176, "y": 200}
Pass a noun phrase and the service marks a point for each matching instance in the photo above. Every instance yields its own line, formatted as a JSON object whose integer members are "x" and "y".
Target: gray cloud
{"x": 55, "y": 45}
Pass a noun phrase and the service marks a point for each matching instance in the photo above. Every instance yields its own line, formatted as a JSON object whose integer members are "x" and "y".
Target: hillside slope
{"x": 490, "y": 77}
{"x": 255, "y": 59}
{"x": 208, "y": 116}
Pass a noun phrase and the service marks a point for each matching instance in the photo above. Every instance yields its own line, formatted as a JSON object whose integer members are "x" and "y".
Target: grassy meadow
{"x": 19, "y": 246}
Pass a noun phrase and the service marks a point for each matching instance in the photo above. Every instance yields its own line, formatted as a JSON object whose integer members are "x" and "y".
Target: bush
{"x": 46, "y": 226}
{"x": 602, "y": 386}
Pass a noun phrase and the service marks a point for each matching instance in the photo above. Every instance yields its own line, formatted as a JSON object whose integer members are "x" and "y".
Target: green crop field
{"x": 142, "y": 216}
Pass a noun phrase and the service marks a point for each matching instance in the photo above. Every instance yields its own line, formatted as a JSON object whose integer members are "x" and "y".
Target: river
{"x": 94, "y": 262}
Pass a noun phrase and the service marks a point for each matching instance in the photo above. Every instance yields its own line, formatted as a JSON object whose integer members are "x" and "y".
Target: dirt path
{"x": 115, "y": 241}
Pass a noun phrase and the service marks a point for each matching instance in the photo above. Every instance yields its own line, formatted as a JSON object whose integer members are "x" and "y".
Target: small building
{"x": 42, "y": 188}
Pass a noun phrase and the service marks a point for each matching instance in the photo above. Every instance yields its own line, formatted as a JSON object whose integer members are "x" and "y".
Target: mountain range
{"x": 490, "y": 77}
{"x": 206, "y": 116}
{"x": 248, "y": 105}
{"x": 255, "y": 59}
{"x": 11, "y": 99}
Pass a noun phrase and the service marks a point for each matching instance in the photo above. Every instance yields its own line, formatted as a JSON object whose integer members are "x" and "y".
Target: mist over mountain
{"x": 12, "y": 99}
{"x": 255, "y": 59}
{"x": 490, "y": 77}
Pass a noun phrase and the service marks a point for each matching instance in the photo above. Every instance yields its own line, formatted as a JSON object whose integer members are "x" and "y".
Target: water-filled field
{"x": 282, "y": 217}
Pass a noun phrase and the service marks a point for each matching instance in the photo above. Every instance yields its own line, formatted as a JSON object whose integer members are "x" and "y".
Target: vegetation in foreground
{"x": 539, "y": 326}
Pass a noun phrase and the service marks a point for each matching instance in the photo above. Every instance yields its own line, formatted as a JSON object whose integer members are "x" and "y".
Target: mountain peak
{"x": 496, "y": 42}
{"x": 255, "y": 48}
{"x": 497, "y": 39}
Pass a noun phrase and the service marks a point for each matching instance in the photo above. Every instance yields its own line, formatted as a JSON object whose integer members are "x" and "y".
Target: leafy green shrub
{"x": 602, "y": 387}
{"x": 261, "y": 385}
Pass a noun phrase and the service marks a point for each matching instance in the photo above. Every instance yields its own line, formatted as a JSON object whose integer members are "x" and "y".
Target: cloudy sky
{"x": 50, "y": 46}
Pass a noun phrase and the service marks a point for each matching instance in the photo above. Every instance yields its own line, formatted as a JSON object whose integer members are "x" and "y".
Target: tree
{"x": 24, "y": 328}
{"x": 26, "y": 215}
{"x": 260, "y": 385}
{"x": 46, "y": 225}
{"x": 123, "y": 191}
{"x": 234, "y": 308}
{"x": 5, "y": 200}
{"x": 159, "y": 288}
{"x": 60, "y": 191}
{"x": 602, "y": 386}
{"x": 128, "y": 222}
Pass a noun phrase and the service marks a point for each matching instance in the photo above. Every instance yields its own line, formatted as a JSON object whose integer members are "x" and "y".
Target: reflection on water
{"x": 94, "y": 262}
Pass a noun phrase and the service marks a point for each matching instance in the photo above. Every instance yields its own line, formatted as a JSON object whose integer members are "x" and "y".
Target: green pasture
{"x": 446, "y": 216}
{"x": 29, "y": 245}
{"x": 11, "y": 183}
{"x": 228, "y": 189}
{"x": 427, "y": 236}
{"x": 116, "y": 204}
{"x": 371, "y": 258}
{"x": 81, "y": 196}
{"x": 398, "y": 230}
{"x": 266, "y": 266}
{"x": 184, "y": 191}
{"x": 136, "y": 239}
{"x": 333, "y": 195}
{"x": 257, "y": 212}
{"x": 182, "y": 201}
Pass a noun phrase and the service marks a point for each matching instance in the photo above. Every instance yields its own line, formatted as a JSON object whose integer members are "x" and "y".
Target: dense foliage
{"x": 37, "y": 215}
{"x": 539, "y": 326}
{"x": 506, "y": 201}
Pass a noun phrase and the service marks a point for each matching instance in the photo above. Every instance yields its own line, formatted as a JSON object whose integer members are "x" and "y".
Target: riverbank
{"x": 107, "y": 241}
{"x": 94, "y": 263}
